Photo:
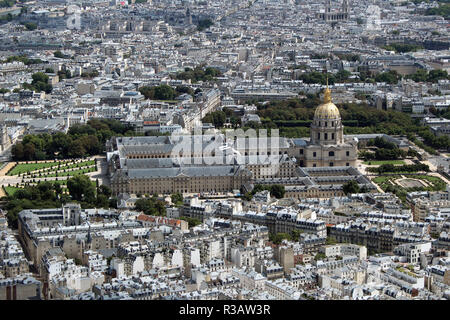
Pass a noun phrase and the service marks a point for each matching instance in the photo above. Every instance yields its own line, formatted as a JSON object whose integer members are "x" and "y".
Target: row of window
{"x": 325, "y": 136}
{"x": 331, "y": 164}
{"x": 330, "y": 153}
{"x": 182, "y": 155}
{"x": 325, "y": 124}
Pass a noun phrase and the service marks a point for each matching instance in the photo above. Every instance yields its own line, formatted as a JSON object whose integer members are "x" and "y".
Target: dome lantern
{"x": 327, "y": 110}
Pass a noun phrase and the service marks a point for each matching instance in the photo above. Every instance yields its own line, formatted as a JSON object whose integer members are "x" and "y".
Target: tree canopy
{"x": 80, "y": 141}
{"x": 164, "y": 92}
{"x": 177, "y": 199}
{"x": 402, "y": 47}
{"x": 40, "y": 196}
{"x": 204, "y": 24}
{"x": 151, "y": 206}
{"x": 39, "y": 83}
{"x": 350, "y": 187}
{"x": 81, "y": 188}
{"x": 199, "y": 73}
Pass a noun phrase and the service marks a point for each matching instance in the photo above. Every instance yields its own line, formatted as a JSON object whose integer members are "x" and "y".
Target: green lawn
{"x": 381, "y": 179}
{"x": 51, "y": 166}
{"x": 25, "y": 167}
{"x": 10, "y": 190}
{"x": 61, "y": 182}
{"x": 52, "y": 172}
{"x": 385, "y": 181}
{"x": 73, "y": 165}
{"x": 438, "y": 183}
{"x": 381, "y": 162}
{"x": 68, "y": 173}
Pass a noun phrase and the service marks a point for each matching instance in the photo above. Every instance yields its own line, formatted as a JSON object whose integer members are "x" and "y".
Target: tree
{"x": 43, "y": 195}
{"x": 204, "y": 24}
{"x": 164, "y": 92}
{"x": 364, "y": 189}
{"x": 350, "y": 187}
{"x": 30, "y": 26}
{"x": 402, "y": 47}
{"x": 177, "y": 199}
{"x": 279, "y": 237}
{"x": 102, "y": 201}
{"x": 40, "y": 77}
{"x": 277, "y": 191}
{"x": 91, "y": 74}
{"x": 184, "y": 89}
{"x": 29, "y": 151}
{"x": 81, "y": 189}
{"x": 161, "y": 92}
{"x": 443, "y": 10}
{"x": 59, "y": 54}
{"x": 39, "y": 83}
{"x": 113, "y": 203}
{"x": 390, "y": 77}
{"x": 151, "y": 206}
{"x": 7, "y": 3}
{"x": 77, "y": 149}
{"x": 81, "y": 140}
{"x": 435, "y": 75}
{"x": 199, "y": 73}
{"x": 192, "y": 222}
{"x": 320, "y": 256}
{"x": 17, "y": 151}
{"x": 247, "y": 196}
{"x": 317, "y": 77}
{"x": 343, "y": 75}
{"x": 295, "y": 234}
{"x": 105, "y": 190}
{"x": 217, "y": 118}
{"x": 58, "y": 189}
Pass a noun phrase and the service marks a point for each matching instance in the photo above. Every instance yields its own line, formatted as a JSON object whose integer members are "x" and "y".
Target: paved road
{"x": 101, "y": 173}
{"x": 439, "y": 160}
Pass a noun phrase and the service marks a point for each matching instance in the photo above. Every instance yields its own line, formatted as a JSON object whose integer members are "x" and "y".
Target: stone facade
{"x": 215, "y": 163}
{"x": 327, "y": 146}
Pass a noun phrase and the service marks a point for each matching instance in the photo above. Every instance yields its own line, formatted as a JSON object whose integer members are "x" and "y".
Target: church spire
{"x": 327, "y": 94}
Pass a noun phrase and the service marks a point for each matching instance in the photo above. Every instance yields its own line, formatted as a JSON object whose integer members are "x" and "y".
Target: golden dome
{"x": 327, "y": 110}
